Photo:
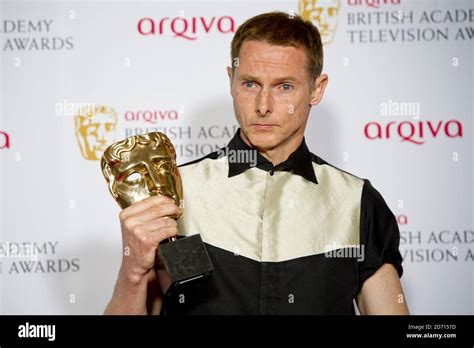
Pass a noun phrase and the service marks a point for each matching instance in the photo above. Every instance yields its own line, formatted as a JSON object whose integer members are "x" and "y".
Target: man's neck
{"x": 281, "y": 152}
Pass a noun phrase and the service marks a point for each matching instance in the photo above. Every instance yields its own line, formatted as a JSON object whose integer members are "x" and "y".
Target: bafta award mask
{"x": 142, "y": 166}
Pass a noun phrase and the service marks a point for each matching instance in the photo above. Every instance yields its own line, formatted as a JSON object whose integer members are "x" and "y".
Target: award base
{"x": 185, "y": 259}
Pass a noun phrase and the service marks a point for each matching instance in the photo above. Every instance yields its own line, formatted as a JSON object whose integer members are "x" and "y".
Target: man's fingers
{"x": 157, "y": 236}
{"x": 143, "y": 205}
{"x": 160, "y": 223}
{"x": 158, "y": 211}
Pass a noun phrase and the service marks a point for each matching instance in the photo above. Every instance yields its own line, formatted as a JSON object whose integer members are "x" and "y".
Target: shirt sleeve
{"x": 379, "y": 234}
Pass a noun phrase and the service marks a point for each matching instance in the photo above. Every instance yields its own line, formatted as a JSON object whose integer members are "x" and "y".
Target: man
{"x": 287, "y": 233}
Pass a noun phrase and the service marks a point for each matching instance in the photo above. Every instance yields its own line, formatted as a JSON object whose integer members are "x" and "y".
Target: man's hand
{"x": 144, "y": 225}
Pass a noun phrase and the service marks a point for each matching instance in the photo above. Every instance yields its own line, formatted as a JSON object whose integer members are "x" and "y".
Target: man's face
{"x": 273, "y": 94}
{"x": 144, "y": 172}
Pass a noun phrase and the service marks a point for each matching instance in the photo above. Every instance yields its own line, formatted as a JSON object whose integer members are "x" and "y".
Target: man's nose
{"x": 264, "y": 103}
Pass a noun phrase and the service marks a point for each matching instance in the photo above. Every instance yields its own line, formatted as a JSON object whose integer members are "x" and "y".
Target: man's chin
{"x": 262, "y": 141}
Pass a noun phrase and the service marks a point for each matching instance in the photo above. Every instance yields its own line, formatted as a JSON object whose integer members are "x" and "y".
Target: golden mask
{"x": 142, "y": 166}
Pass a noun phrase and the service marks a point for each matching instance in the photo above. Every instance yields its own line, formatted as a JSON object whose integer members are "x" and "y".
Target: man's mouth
{"x": 263, "y": 126}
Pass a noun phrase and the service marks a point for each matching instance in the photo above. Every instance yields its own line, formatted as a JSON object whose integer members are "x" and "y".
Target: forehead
{"x": 141, "y": 154}
{"x": 263, "y": 57}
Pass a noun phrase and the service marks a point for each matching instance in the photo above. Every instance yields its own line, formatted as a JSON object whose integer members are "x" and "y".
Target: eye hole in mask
{"x": 133, "y": 177}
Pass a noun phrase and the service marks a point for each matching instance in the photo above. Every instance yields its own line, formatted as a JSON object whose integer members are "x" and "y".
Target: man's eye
{"x": 286, "y": 86}
{"x": 248, "y": 84}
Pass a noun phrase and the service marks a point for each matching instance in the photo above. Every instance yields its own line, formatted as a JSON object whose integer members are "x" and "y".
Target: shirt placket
{"x": 268, "y": 275}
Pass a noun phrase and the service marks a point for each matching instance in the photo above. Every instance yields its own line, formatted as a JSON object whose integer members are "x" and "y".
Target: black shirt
{"x": 300, "y": 237}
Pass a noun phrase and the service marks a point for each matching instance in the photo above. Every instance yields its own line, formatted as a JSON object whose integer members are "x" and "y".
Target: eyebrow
{"x": 121, "y": 167}
{"x": 278, "y": 79}
{"x": 125, "y": 168}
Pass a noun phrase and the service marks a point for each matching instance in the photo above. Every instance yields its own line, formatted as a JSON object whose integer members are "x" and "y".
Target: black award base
{"x": 184, "y": 259}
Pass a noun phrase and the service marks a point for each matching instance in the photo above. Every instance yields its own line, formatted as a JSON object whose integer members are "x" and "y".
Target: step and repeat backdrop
{"x": 78, "y": 75}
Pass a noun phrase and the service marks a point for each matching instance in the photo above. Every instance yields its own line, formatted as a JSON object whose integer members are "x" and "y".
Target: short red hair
{"x": 282, "y": 29}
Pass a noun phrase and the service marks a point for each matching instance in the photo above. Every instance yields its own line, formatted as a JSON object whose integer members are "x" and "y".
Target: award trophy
{"x": 142, "y": 166}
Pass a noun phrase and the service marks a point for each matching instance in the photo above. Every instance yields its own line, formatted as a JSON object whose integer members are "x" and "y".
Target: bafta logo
{"x": 323, "y": 14}
{"x": 95, "y": 131}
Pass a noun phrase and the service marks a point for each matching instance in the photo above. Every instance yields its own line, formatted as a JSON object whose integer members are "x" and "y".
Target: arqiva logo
{"x": 4, "y": 140}
{"x": 413, "y": 132}
{"x": 186, "y": 28}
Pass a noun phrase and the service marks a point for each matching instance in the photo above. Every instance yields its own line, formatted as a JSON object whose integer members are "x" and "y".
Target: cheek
{"x": 292, "y": 108}
{"x": 122, "y": 188}
{"x": 243, "y": 104}
{"x": 243, "y": 99}
{"x": 131, "y": 193}
{"x": 126, "y": 188}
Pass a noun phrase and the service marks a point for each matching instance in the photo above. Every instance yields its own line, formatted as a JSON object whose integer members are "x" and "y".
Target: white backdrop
{"x": 405, "y": 65}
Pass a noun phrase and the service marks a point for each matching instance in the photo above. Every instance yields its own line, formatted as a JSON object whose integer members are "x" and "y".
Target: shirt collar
{"x": 242, "y": 157}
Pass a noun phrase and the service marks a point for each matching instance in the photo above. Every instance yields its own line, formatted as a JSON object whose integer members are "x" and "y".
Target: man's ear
{"x": 230, "y": 73}
{"x": 317, "y": 90}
